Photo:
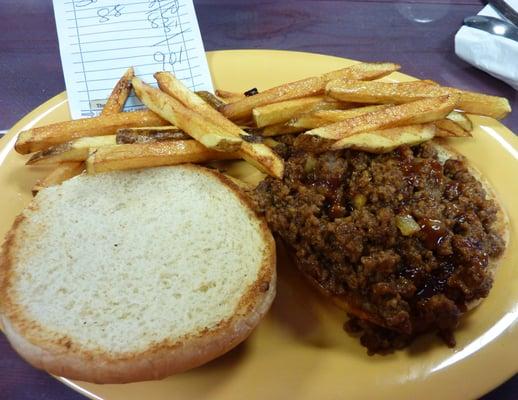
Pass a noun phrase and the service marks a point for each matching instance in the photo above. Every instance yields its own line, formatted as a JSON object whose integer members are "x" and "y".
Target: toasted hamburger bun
{"x": 501, "y": 225}
{"x": 132, "y": 276}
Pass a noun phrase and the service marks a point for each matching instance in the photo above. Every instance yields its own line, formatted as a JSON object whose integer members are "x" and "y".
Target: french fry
{"x": 448, "y": 128}
{"x": 483, "y": 104}
{"x": 403, "y": 92}
{"x": 176, "y": 89}
{"x": 210, "y": 99}
{"x": 461, "y": 119}
{"x": 40, "y": 138}
{"x": 383, "y": 92}
{"x": 417, "y": 112}
{"x": 150, "y": 134}
{"x": 60, "y": 174}
{"x": 306, "y": 87}
{"x": 229, "y": 96}
{"x": 145, "y": 155}
{"x": 283, "y": 111}
{"x": 326, "y": 117}
{"x": 120, "y": 93}
{"x": 75, "y": 150}
{"x": 67, "y": 170}
{"x": 271, "y": 142}
{"x": 383, "y": 141}
{"x": 204, "y": 131}
{"x": 340, "y": 115}
{"x": 308, "y": 121}
{"x": 259, "y": 155}
{"x": 363, "y": 71}
{"x": 276, "y": 130}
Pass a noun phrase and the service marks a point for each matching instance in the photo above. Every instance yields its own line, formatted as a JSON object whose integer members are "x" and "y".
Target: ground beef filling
{"x": 407, "y": 239}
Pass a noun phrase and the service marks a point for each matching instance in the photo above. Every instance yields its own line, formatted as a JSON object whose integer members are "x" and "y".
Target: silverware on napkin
{"x": 492, "y": 25}
{"x": 505, "y": 10}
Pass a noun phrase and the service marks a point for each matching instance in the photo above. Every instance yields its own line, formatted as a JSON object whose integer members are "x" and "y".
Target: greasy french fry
{"x": 276, "y": 130}
{"x": 150, "y": 134}
{"x": 308, "y": 121}
{"x": 229, "y": 96}
{"x": 271, "y": 142}
{"x": 257, "y": 154}
{"x": 176, "y": 89}
{"x": 363, "y": 71}
{"x": 145, "y": 155}
{"x": 283, "y": 111}
{"x": 203, "y": 130}
{"x": 461, "y": 119}
{"x": 40, "y": 138}
{"x": 403, "y": 92}
{"x": 60, "y": 174}
{"x": 210, "y": 99}
{"x": 306, "y": 87}
{"x": 75, "y": 150}
{"x": 482, "y": 104}
{"x": 447, "y": 128}
{"x": 383, "y": 141}
{"x": 417, "y": 112}
{"x": 383, "y": 92}
{"x": 66, "y": 170}
{"x": 326, "y": 117}
{"x": 340, "y": 115}
{"x": 120, "y": 93}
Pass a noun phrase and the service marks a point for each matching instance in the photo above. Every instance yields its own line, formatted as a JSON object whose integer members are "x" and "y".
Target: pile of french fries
{"x": 347, "y": 108}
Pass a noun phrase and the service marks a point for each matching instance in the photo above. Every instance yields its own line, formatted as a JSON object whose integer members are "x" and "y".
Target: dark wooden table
{"x": 417, "y": 34}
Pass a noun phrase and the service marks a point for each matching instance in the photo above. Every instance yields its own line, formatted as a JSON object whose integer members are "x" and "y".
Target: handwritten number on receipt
{"x": 84, "y": 3}
{"x": 163, "y": 14}
{"x": 168, "y": 59}
{"x": 106, "y": 12}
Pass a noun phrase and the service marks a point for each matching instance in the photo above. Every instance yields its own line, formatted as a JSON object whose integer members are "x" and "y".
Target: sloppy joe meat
{"x": 405, "y": 237}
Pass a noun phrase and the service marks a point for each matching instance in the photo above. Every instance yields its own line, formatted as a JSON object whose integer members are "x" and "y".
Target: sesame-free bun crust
{"x": 76, "y": 305}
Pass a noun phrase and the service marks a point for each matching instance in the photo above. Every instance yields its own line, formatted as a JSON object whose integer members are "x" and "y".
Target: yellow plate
{"x": 300, "y": 350}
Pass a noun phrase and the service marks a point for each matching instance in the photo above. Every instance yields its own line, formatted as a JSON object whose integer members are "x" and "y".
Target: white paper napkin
{"x": 496, "y": 55}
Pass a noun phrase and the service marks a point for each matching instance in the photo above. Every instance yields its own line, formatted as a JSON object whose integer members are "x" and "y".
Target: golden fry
{"x": 403, "y": 92}
{"x": 229, "y": 96}
{"x": 75, "y": 150}
{"x": 447, "y": 128}
{"x": 203, "y": 130}
{"x": 150, "y": 134}
{"x": 40, "y": 138}
{"x": 60, "y": 174}
{"x": 482, "y": 104}
{"x": 417, "y": 112}
{"x": 383, "y": 92}
{"x": 276, "y": 130}
{"x": 210, "y": 99}
{"x": 363, "y": 71}
{"x": 326, "y": 117}
{"x": 145, "y": 155}
{"x": 383, "y": 141}
{"x": 258, "y": 154}
{"x": 120, "y": 93}
{"x": 461, "y": 119}
{"x": 306, "y": 87}
{"x": 283, "y": 111}
{"x": 175, "y": 88}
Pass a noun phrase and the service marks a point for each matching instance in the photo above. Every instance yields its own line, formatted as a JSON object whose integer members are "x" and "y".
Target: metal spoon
{"x": 492, "y": 25}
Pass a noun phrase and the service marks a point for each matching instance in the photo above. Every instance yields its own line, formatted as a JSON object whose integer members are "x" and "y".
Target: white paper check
{"x": 100, "y": 39}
